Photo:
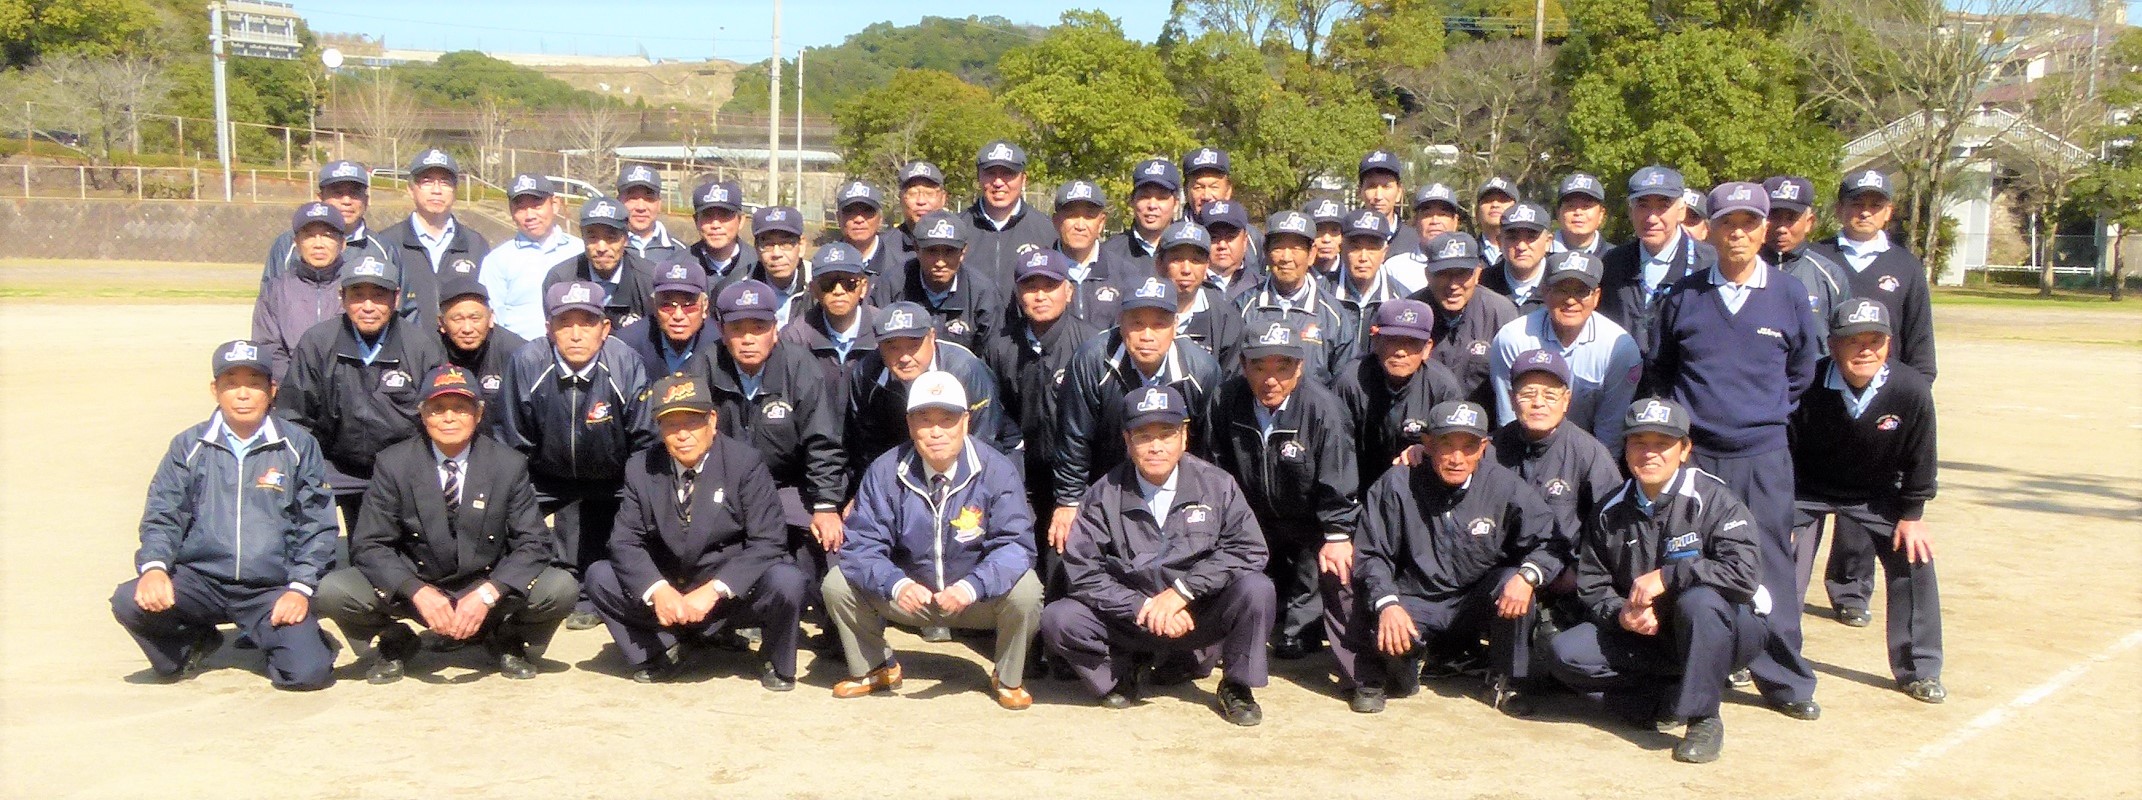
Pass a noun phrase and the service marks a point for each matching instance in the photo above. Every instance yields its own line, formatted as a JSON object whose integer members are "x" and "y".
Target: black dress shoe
{"x": 1366, "y": 700}
{"x": 1173, "y": 669}
{"x": 514, "y": 666}
{"x": 936, "y": 633}
{"x": 772, "y": 681}
{"x": 582, "y": 620}
{"x": 1799, "y": 709}
{"x": 1739, "y": 678}
{"x": 1290, "y": 648}
{"x": 1124, "y": 695}
{"x": 1927, "y": 690}
{"x": 662, "y": 668}
{"x": 1505, "y": 697}
{"x": 1238, "y": 705}
{"x": 1402, "y": 675}
{"x": 1704, "y": 740}
{"x": 383, "y": 670}
{"x": 729, "y": 640}
{"x": 1855, "y": 617}
{"x": 205, "y": 644}
{"x": 394, "y": 646}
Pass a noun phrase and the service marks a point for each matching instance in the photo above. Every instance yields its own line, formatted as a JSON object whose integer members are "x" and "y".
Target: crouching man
{"x": 940, "y": 535}
{"x": 241, "y": 472}
{"x": 1667, "y": 570}
{"x": 450, "y": 536}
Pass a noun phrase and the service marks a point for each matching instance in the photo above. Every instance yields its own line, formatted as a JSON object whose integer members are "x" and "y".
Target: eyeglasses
{"x": 1540, "y": 395}
{"x": 829, "y": 285}
{"x": 674, "y": 306}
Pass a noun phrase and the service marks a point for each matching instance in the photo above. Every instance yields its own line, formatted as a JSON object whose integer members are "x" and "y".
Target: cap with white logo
{"x": 940, "y": 228}
{"x": 1457, "y": 416}
{"x": 1043, "y": 263}
{"x": 318, "y": 212}
{"x": 936, "y": 389}
{"x": 1364, "y": 222}
{"x": 529, "y": 184}
{"x": 682, "y": 275}
{"x": 1156, "y": 172}
{"x": 854, "y": 193}
{"x": 747, "y": 299}
{"x": 1150, "y": 293}
{"x": 717, "y": 194}
{"x": 1496, "y": 185}
{"x": 1001, "y": 153}
{"x": 1275, "y": 340}
{"x": 384, "y": 274}
{"x": 1865, "y": 181}
{"x": 1208, "y": 159}
{"x": 836, "y": 258}
{"x": 603, "y": 211}
{"x": 434, "y": 158}
{"x": 1080, "y": 191}
{"x": 567, "y": 296}
{"x": 921, "y": 171}
{"x": 1581, "y": 183}
{"x": 1451, "y": 251}
{"x": 639, "y": 175}
{"x": 1436, "y": 193}
{"x": 334, "y": 172}
{"x": 1655, "y": 181}
{"x": 1790, "y": 192}
{"x": 1379, "y": 161}
{"x": 1154, "y": 404}
{"x": 1223, "y": 212}
{"x": 776, "y": 219}
{"x": 903, "y": 320}
{"x": 1405, "y": 318}
{"x": 1529, "y": 216}
{"x": 234, "y": 355}
{"x": 1574, "y": 265}
{"x": 1186, "y": 234}
{"x": 1859, "y": 315}
{"x": 1739, "y": 196}
{"x": 1655, "y": 415}
{"x": 1546, "y": 362}
{"x": 1289, "y": 223}
{"x": 1326, "y": 210}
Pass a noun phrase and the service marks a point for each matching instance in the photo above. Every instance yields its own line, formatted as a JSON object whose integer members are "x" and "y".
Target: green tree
{"x": 1281, "y": 131}
{"x": 1386, "y": 36}
{"x": 1094, "y": 101}
{"x": 30, "y": 29}
{"x": 968, "y": 48}
{"x": 464, "y": 78}
{"x": 2113, "y": 186}
{"x": 920, "y": 114}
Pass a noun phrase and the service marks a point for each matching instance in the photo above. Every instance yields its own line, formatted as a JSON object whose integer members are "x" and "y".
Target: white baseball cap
{"x": 936, "y": 389}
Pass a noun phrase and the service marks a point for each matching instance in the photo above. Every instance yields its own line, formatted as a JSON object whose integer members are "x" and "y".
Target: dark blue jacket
{"x": 422, "y": 279}
{"x": 1089, "y": 406}
{"x": 573, "y": 429}
{"x": 1622, "y": 296}
{"x": 1698, "y": 534}
{"x": 263, "y": 520}
{"x": 982, "y": 535}
{"x": 1739, "y": 375}
{"x": 1320, "y": 326}
{"x": 877, "y": 407}
{"x": 646, "y": 340}
{"x": 1122, "y": 553}
{"x": 354, "y": 408}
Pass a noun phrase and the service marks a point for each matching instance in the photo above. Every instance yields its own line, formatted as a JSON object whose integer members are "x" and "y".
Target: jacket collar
{"x": 913, "y": 473}
{"x": 215, "y": 431}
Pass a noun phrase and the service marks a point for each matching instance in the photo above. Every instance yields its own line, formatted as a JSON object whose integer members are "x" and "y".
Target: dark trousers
{"x": 803, "y": 547}
{"x": 1701, "y": 640}
{"x": 1048, "y": 564}
{"x": 582, "y": 513}
{"x": 1913, "y": 611}
{"x": 1848, "y": 576}
{"x": 528, "y": 619}
{"x": 1764, "y": 483}
{"x": 774, "y": 604}
{"x": 1306, "y": 595}
{"x": 1464, "y": 617}
{"x": 1237, "y": 618}
{"x": 298, "y": 656}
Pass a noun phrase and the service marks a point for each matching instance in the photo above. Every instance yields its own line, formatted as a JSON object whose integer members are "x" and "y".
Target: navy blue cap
{"x": 1739, "y": 196}
{"x": 1043, "y": 262}
{"x": 746, "y": 299}
{"x": 860, "y": 193}
{"x": 1497, "y": 185}
{"x": 1583, "y": 183}
{"x": 235, "y": 354}
{"x": 1187, "y": 233}
{"x": 316, "y": 211}
{"x": 1457, "y": 416}
{"x": 602, "y": 211}
{"x": 1698, "y": 203}
{"x": 1365, "y": 222}
{"x": 939, "y": 227}
{"x": 1547, "y": 361}
{"x": 717, "y": 194}
{"x": 1865, "y": 181}
{"x": 1326, "y": 210}
{"x": 1379, "y": 161}
{"x": 371, "y": 270}
{"x": 1151, "y": 404}
{"x": 1860, "y": 315}
{"x": 564, "y": 296}
{"x": 902, "y": 320}
{"x": 1574, "y": 264}
{"x": 921, "y": 171}
{"x": 1223, "y": 212}
{"x": 1289, "y": 222}
{"x": 1451, "y": 251}
{"x": 1157, "y": 172}
{"x": 460, "y": 286}
{"x": 1655, "y": 181}
{"x": 776, "y": 219}
{"x": 1405, "y": 317}
{"x": 1001, "y": 153}
{"x": 434, "y": 158}
{"x": 681, "y": 275}
{"x": 1150, "y": 293}
{"x": 1436, "y": 193}
{"x": 1525, "y": 215}
{"x": 639, "y": 175}
{"x": 334, "y": 172}
{"x": 529, "y": 184}
{"x": 1080, "y": 191}
{"x": 837, "y": 258}
{"x": 1790, "y": 192}
{"x": 1208, "y": 159}
{"x": 1275, "y": 340}
{"x": 1656, "y": 415}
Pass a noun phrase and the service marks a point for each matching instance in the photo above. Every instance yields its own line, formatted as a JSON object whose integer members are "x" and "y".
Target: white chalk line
{"x": 1995, "y": 717}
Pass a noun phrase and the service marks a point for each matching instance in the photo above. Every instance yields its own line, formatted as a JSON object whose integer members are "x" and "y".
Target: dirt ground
{"x": 2040, "y": 550}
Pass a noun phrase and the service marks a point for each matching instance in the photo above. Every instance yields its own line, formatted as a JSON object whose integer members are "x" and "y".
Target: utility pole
{"x": 1539, "y": 27}
{"x": 2097, "y": 22}
{"x": 223, "y": 101}
{"x": 799, "y": 127}
{"x": 773, "y": 115}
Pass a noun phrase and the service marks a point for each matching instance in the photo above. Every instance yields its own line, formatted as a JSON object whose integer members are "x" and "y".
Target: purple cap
{"x": 1547, "y": 361}
{"x": 747, "y": 299}
{"x": 319, "y": 212}
{"x": 1046, "y": 263}
{"x": 1411, "y": 319}
{"x": 776, "y": 219}
{"x": 574, "y": 296}
{"x": 1162, "y": 404}
{"x": 1223, "y": 212}
{"x": 1739, "y": 196}
{"x": 681, "y": 275}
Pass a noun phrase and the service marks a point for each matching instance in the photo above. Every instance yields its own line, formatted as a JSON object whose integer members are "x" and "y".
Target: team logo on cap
{"x": 1326, "y": 208}
{"x": 1293, "y": 224}
{"x": 1498, "y": 184}
{"x": 1888, "y": 422}
{"x": 749, "y": 297}
{"x": 1654, "y": 178}
{"x": 434, "y": 158}
{"x": 1080, "y": 190}
{"x": 1437, "y": 191}
{"x": 1480, "y": 526}
{"x": 676, "y": 273}
{"x": 369, "y": 267}
{"x": 855, "y": 190}
{"x": 1654, "y": 413}
{"x": 1786, "y": 191}
{"x": 1001, "y": 152}
{"x": 1741, "y": 193}
{"x": 1540, "y": 357}
{"x": 271, "y": 479}
{"x": 1291, "y": 450}
{"x": 394, "y": 379}
{"x": 1864, "y": 311}
{"x": 1464, "y": 415}
{"x": 1556, "y": 488}
{"x": 1276, "y": 335}
{"x": 318, "y": 210}
{"x": 1582, "y": 182}
{"x": 1378, "y": 157}
{"x": 1868, "y": 180}
{"x": 602, "y": 209}
{"x": 524, "y": 184}
{"x": 917, "y": 169}
{"x": 346, "y": 170}
{"x": 1154, "y": 400}
{"x": 1521, "y": 214}
{"x": 900, "y": 320}
{"x": 1206, "y": 157}
{"x": 1152, "y": 289}
{"x": 834, "y": 255}
{"x": 1888, "y": 283}
{"x": 1409, "y": 316}
{"x": 1155, "y": 168}
{"x": 682, "y": 390}
{"x": 451, "y": 377}
{"x": 578, "y": 293}
{"x": 1038, "y": 258}
{"x": 1455, "y": 248}
{"x": 777, "y": 409}
{"x": 942, "y": 230}
{"x": 640, "y": 174}
{"x": 716, "y": 193}
{"x": 242, "y": 351}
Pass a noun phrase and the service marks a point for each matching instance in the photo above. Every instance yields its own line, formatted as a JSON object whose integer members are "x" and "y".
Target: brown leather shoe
{"x": 1012, "y": 698}
{"x": 885, "y": 678}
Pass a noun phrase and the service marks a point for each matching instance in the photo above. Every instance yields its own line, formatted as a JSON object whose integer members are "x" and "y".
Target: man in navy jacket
{"x": 940, "y": 535}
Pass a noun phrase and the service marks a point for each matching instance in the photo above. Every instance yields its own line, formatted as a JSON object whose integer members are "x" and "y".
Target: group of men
{"x": 1512, "y": 448}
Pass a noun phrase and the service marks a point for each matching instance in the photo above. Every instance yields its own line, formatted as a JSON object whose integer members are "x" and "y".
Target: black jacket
{"x": 971, "y": 314}
{"x": 1089, "y": 441}
{"x": 1496, "y": 278}
{"x": 1622, "y": 297}
{"x": 630, "y": 302}
{"x": 404, "y": 539}
{"x": 877, "y": 408}
{"x": 488, "y": 362}
{"x": 1133, "y": 253}
{"x": 795, "y": 429}
{"x": 421, "y": 278}
{"x": 1699, "y": 534}
{"x": 1898, "y": 280}
{"x": 720, "y": 275}
{"x": 1217, "y": 329}
{"x": 1099, "y": 298}
{"x": 1423, "y": 538}
{"x": 734, "y": 534}
{"x": 1120, "y": 553}
{"x": 1301, "y": 479}
{"x": 1572, "y": 471}
{"x": 808, "y": 335}
{"x": 1884, "y": 457}
{"x": 570, "y": 428}
{"x": 1465, "y": 341}
{"x": 1386, "y": 420}
{"x": 353, "y": 408}
{"x": 994, "y": 253}
{"x": 1029, "y": 378}
{"x": 646, "y": 340}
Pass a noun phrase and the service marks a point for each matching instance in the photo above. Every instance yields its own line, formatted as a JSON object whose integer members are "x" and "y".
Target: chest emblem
{"x": 1888, "y": 283}
{"x": 967, "y": 526}
{"x": 599, "y": 411}
{"x": 394, "y": 379}
{"x": 1556, "y": 488}
{"x": 271, "y": 479}
{"x": 1480, "y": 526}
{"x": 1888, "y": 422}
{"x": 777, "y": 409}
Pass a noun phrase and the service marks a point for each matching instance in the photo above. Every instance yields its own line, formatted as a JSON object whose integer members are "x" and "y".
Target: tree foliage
{"x": 920, "y": 114}
{"x": 967, "y": 48}
{"x": 1093, "y": 102}
{"x": 2113, "y": 186}
{"x": 462, "y": 78}
{"x": 1281, "y": 130}
{"x": 32, "y": 29}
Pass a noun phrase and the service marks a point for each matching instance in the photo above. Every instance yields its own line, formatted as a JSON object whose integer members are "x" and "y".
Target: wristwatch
{"x": 488, "y": 595}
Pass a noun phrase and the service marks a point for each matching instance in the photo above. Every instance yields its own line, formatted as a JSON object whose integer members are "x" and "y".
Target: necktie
{"x": 451, "y": 487}
{"x": 687, "y": 483}
{"x": 940, "y": 486}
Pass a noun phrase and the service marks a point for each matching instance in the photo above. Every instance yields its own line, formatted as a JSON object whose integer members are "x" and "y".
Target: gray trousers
{"x": 861, "y": 616}
{"x": 1913, "y": 612}
{"x": 531, "y": 619}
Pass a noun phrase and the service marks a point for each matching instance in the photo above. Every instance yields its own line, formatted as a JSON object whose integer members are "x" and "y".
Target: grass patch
{"x": 2020, "y": 297}
{"x": 120, "y": 293}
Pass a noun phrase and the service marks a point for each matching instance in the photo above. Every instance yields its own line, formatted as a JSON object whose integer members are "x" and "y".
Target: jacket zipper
{"x": 937, "y": 540}
{"x": 238, "y": 521}
{"x": 572, "y": 430}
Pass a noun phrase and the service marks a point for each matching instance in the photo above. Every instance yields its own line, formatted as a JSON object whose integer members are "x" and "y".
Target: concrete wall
{"x": 166, "y": 230}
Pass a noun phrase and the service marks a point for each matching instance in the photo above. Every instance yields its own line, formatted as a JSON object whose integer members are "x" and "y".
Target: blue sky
{"x": 683, "y": 29}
